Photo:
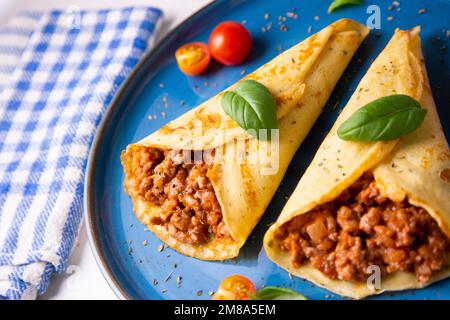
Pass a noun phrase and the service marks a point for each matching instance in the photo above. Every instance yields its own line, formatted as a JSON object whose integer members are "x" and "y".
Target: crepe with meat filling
{"x": 206, "y": 208}
{"x": 362, "y": 205}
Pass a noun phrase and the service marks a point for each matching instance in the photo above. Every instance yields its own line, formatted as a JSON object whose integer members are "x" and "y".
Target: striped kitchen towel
{"x": 59, "y": 71}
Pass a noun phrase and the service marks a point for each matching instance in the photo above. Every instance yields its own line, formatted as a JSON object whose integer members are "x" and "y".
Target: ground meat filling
{"x": 177, "y": 182}
{"x": 342, "y": 238}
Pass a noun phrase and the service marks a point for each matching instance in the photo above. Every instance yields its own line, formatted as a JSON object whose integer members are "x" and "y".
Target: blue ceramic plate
{"x": 158, "y": 92}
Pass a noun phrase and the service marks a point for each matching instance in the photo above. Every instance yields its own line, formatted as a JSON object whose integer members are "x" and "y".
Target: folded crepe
{"x": 368, "y": 209}
{"x": 186, "y": 182}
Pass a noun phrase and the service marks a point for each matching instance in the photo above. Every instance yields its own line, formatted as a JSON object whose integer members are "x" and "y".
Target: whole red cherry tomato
{"x": 230, "y": 43}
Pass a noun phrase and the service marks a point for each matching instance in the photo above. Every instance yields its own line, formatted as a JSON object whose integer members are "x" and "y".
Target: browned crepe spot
{"x": 445, "y": 175}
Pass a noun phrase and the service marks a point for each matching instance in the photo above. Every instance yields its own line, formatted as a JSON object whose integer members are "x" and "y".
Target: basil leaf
{"x": 383, "y": 119}
{"x": 336, "y": 4}
{"x": 252, "y": 106}
{"x": 275, "y": 293}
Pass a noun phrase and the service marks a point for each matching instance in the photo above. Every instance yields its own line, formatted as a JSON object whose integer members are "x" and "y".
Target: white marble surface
{"x": 83, "y": 279}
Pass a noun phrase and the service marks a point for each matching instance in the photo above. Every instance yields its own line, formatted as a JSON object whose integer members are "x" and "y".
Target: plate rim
{"x": 88, "y": 199}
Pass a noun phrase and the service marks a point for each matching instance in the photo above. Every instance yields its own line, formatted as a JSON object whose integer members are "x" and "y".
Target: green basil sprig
{"x": 387, "y": 118}
{"x": 252, "y": 106}
{"x": 336, "y": 4}
{"x": 275, "y": 293}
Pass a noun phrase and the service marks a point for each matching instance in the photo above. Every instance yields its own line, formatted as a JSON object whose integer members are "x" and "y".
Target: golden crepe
{"x": 208, "y": 210}
{"x": 334, "y": 220}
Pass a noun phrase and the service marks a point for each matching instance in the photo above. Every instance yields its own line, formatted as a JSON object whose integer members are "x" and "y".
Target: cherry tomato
{"x": 235, "y": 287}
{"x": 230, "y": 43}
{"x": 193, "y": 58}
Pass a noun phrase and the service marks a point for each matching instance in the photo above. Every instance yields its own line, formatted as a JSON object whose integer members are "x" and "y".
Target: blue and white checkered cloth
{"x": 58, "y": 72}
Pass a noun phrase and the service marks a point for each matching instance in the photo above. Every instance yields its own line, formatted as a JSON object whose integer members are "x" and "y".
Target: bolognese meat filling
{"x": 178, "y": 183}
{"x": 360, "y": 228}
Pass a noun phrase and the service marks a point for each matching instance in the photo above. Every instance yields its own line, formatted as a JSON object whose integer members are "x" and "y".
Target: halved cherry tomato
{"x": 235, "y": 287}
{"x": 230, "y": 43}
{"x": 193, "y": 58}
